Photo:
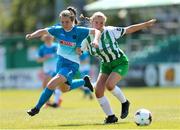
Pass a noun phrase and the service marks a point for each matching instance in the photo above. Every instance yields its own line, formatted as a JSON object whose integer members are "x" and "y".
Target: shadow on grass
{"x": 94, "y": 124}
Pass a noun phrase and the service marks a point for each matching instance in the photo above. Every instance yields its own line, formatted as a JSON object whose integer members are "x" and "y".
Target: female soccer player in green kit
{"x": 114, "y": 63}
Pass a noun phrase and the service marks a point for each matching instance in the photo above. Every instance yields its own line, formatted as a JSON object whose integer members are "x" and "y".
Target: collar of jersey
{"x": 69, "y": 30}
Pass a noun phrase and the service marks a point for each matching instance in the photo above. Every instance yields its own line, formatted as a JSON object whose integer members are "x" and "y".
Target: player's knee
{"x": 99, "y": 93}
{"x": 51, "y": 85}
{"x": 109, "y": 86}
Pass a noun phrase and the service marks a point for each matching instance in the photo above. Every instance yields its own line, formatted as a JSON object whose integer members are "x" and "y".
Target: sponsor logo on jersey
{"x": 67, "y": 43}
{"x": 118, "y": 29}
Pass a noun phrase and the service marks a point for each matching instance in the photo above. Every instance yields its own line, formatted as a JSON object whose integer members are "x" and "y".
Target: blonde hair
{"x": 98, "y": 14}
{"x": 95, "y": 15}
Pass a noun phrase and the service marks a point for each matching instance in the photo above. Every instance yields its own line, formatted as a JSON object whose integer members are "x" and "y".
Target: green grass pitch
{"x": 81, "y": 114}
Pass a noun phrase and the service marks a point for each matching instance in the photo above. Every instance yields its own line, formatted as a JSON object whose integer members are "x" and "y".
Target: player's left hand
{"x": 151, "y": 22}
{"x": 28, "y": 36}
{"x": 79, "y": 51}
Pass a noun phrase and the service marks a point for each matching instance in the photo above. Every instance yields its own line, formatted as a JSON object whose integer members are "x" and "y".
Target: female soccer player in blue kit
{"x": 69, "y": 37}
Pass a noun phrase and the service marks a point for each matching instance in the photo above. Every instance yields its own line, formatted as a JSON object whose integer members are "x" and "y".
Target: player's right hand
{"x": 95, "y": 44}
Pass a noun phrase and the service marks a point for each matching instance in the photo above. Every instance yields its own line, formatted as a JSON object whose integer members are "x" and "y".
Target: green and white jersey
{"x": 108, "y": 49}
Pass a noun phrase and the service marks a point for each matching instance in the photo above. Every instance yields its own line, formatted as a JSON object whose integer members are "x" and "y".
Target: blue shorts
{"x": 83, "y": 73}
{"x": 67, "y": 68}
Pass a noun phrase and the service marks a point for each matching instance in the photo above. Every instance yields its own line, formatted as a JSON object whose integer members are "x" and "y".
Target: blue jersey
{"x": 50, "y": 64}
{"x": 85, "y": 55}
{"x": 69, "y": 40}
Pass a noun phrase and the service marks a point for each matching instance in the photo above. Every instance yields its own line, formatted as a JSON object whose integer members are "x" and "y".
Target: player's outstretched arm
{"x": 140, "y": 26}
{"x": 38, "y": 33}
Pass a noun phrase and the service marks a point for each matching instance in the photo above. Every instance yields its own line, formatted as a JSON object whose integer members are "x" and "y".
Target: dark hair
{"x": 74, "y": 11}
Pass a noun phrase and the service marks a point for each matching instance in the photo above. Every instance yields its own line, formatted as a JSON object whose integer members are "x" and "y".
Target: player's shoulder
{"x": 55, "y": 27}
{"x": 113, "y": 28}
{"x": 81, "y": 27}
{"x": 109, "y": 27}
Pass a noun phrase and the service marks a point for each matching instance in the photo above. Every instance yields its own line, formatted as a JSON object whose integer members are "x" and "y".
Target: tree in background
{"x": 20, "y": 16}
{"x": 27, "y": 15}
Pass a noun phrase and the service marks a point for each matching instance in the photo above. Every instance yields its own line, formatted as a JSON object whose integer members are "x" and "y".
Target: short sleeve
{"x": 117, "y": 31}
{"x": 54, "y": 30}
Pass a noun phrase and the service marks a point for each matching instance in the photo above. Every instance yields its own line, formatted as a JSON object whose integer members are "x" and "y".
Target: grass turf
{"x": 79, "y": 113}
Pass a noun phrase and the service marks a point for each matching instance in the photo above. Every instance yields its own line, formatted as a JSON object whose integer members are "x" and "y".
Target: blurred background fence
{"x": 154, "y": 53}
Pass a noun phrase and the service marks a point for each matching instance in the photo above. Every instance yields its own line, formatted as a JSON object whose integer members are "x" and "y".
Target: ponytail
{"x": 74, "y": 12}
{"x": 84, "y": 18}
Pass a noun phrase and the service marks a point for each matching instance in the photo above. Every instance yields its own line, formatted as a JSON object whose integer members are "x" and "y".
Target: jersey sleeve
{"x": 117, "y": 31}
{"x": 54, "y": 30}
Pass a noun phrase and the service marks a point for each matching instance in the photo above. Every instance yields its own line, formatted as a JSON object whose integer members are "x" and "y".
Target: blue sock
{"x": 45, "y": 95}
{"x": 76, "y": 83}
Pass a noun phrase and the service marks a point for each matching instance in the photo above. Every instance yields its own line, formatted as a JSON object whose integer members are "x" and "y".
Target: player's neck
{"x": 69, "y": 29}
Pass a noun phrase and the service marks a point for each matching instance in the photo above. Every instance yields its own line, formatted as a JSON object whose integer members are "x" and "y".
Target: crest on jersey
{"x": 118, "y": 29}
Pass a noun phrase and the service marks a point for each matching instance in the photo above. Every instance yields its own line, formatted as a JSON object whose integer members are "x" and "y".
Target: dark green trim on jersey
{"x": 97, "y": 50}
{"x": 99, "y": 53}
{"x": 89, "y": 45}
{"x": 108, "y": 50}
{"x": 103, "y": 41}
{"x": 111, "y": 45}
{"x": 122, "y": 31}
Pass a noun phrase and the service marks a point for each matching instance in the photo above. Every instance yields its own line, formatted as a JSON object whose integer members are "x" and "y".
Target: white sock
{"x": 57, "y": 94}
{"x": 104, "y": 103}
{"x": 119, "y": 94}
